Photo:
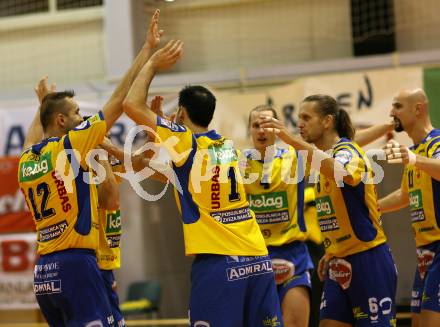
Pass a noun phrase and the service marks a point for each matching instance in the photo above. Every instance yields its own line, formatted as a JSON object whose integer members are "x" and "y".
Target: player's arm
{"x": 429, "y": 165}
{"x": 318, "y": 159}
{"x": 135, "y": 104}
{"x": 138, "y": 160}
{"x": 394, "y": 201}
{"x": 113, "y": 108}
{"x": 108, "y": 190}
{"x": 370, "y": 134}
{"x": 399, "y": 153}
{"x": 35, "y": 132}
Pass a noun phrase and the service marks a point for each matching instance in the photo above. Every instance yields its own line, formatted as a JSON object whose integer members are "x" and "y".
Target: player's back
{"x": 215, "y": 212}
{"x": 58, "y": 191}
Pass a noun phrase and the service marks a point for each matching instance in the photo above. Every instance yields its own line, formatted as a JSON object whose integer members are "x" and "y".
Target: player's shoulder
{"x": 168, "y": 124}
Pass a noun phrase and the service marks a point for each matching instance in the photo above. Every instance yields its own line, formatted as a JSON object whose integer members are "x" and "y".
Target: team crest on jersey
{"x": 31, "y": 170}
{"x": 340, "y": 272}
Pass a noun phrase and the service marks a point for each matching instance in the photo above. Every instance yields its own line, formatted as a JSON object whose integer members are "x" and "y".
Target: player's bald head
{"x": 413, "y": 96}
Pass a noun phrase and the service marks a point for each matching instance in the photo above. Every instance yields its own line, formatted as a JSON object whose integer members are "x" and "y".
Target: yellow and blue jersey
{"x": 277, "y": 196}
{"x": 348, "y": 214}
{"x": 109, "y": 252}
{"x": 313, "y": 230}
{"x": 210, "y": 193}
{"x": 424, "y": 192}
{"x": 63, "y": 219}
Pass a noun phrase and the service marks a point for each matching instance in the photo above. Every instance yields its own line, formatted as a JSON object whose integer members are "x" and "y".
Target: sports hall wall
{"x": 249, "y": 52}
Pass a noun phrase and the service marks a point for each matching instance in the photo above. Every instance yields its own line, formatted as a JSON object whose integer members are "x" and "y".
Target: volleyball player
{"x": 420, "y": 189}
{"x": 360, "y": 282}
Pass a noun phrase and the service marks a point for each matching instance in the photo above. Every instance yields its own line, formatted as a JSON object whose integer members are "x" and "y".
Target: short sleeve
{"x": 354, "y": 165}
{"x": 86, "y": 136}
{"x": 178, "y": 140}
{"x": 434, "y": 148}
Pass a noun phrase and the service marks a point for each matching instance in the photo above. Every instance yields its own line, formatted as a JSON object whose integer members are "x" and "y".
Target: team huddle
{"x": 244, "y": 220}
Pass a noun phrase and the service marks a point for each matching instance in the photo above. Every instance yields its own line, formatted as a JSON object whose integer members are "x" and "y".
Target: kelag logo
{"x": 324, "y": 206}
{"x": 30, "y": 170}
{"x": 222, "y": 153}
{"x": 415, "y": 200}
{"x": 268, "y": 202}
{"x": 113, "y": 222}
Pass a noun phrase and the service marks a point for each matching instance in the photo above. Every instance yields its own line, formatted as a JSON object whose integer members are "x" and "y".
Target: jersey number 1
{"x": 234, "y": 195}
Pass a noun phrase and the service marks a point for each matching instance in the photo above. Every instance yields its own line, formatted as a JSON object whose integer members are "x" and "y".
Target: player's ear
{"x": 60, "y": 119}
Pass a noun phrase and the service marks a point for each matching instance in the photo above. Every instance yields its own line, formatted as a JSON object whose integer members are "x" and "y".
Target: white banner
{"x": 367, "y": 96}
{"x": 17, "y": 258}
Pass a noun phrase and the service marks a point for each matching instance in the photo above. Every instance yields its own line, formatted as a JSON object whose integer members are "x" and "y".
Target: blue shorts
{"x": 291, "y": 265}
{"x": 233, "y": 291}
{"x": 360, "y": 289}
{"x": 110, "y": 287}
{"x": 70, "y": 290}
{"x": 426, "y": 288}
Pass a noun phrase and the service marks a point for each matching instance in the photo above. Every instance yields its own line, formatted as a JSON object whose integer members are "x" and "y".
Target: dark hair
{"x": 52, "y": 104}
{"x": 326, "y": 105}
{"x": 199, "y": 103}
{"x": 260, "y": 108}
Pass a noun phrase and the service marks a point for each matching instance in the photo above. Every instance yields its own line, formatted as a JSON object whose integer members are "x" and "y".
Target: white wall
{"x": 67, "y": 52}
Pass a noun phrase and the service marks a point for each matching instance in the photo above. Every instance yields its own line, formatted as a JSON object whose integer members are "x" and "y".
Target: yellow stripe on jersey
{"x": 212, "y": 200}
{"x": 63, "y": 219}
{"x": 277, "y": 196}
{"x": 348, "y": 216}
{"x": 424, "y": 192}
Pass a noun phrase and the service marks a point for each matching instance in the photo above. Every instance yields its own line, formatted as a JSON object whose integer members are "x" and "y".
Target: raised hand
{"x": 42, "y": 89}
{"x": 156, "y": 106}
{"x": 154, "y": 33}
{"x": 273, "y": 125}
{"x": 167, "y": 56}
{"x": 397, "y": 153}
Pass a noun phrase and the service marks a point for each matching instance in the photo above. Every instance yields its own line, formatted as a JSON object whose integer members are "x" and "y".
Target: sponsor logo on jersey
{"x": 113, "y": 222}
{"x": 242, "y": 272}
{"x": 424, "y": 261}
{"x": 84, "y": 125}
{"x": 271, "y": 322}
{"x": 340, "y": 272}
{"x": 324, "y": 206}
{"x": 328, "y": 224}
{"x": 31, "y": 170}
{"x": 232, "y": 216}
{"x": 51, "y": 232}
{"x": 170, "y": 125}
{"x": 113, "y": 241}
{"x": 222, "y": 153}
{"x": 416, "y": 206}
{"x": 272, "y": 217}
{"x": 268, "y": 201}
{"x": 47, "y": 287}
{"x": 283, "y": 270}
{"x": 415, "y": 200}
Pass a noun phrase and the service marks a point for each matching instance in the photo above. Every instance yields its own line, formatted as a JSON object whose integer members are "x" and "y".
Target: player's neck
{"x": 420, "y": 131}
{"x": 196, "y": 129}
{"x": 327, "y": 141}
{"x": 53, "y": 132}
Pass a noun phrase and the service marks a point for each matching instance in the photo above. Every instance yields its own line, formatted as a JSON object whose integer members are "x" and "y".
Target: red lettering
{"x": 67, "y": 207}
